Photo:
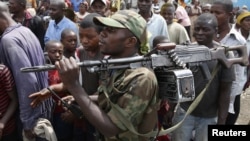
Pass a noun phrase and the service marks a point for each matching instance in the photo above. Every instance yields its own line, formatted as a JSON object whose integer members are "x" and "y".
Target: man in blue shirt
{"x": 75, "y": 4}
{"x": 19, "y": 47}
{"x": 59, "y": 22}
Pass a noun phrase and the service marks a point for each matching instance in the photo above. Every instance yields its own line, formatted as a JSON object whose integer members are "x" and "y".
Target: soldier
{"x": 132, "y": 92}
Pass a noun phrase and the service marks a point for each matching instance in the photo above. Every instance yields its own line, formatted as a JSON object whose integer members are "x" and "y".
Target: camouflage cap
{"x": 131, "y": 20}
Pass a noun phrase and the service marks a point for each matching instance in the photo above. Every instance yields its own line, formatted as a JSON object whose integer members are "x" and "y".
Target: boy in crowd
{"x": 177, "y": 33}
{"x": 69, "y": 41}
{"x": 61, "y": 123}
{"x": 89, "y": 38}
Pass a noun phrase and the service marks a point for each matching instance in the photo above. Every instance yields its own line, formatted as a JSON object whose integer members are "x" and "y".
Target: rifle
{"x": 187, "y": 54}
{"x": 72, "y": 107}
{"x": 170, "y": 63}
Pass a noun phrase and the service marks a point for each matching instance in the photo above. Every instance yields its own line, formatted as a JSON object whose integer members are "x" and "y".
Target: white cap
{"x": 244, "y": 7}
{"x": 103, "y": 1}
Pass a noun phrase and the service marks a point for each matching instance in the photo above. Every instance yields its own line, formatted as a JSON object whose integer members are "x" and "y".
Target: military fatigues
{"x": 129, "y": 96}
{"x": 135, "y": 92}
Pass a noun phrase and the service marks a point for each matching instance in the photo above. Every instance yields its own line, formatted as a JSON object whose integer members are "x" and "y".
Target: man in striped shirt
{"x": 8, "y": 105}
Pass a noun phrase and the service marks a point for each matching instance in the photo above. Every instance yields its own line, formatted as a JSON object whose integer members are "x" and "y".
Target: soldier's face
{"x": 112, "y": 41}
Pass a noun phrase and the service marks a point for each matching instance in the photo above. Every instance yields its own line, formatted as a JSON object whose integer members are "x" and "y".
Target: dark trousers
{"x": 89, "y": 134}
{"x": 63, "y": 130}
{"x": 232, "y": 118}
{"x": 11, "y": 137}
{"x": 188, "y": 31}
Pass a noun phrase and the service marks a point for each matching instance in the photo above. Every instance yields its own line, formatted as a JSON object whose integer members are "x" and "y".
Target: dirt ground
{"x": 244, "y": 116}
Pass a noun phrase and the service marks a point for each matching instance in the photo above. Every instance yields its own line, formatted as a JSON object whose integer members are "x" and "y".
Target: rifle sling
{"x": 121, "y": 114}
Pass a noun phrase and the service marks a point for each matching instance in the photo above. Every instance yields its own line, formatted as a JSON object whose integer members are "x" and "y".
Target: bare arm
{"x": 224, "y": 99}
{"x": 94, "y": 97}
{"x": 69, "y": 73}
{"x": 40, "y": 96}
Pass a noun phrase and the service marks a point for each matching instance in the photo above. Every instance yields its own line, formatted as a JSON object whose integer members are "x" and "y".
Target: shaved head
{"x": 52, "y": 43}
{"x": 67, "y": 32}
{"x": 208, "y": 18}
{"x": 58, "y": 3}
{"x": 5, "y": 18}
{"x": 226, "y": 4}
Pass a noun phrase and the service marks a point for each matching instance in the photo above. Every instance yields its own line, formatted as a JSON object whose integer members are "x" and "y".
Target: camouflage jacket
{"x": 135, "y": 92}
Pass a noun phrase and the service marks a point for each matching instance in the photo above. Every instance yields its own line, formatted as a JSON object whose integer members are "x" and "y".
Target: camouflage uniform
{"x": 133, "y": 91}
{"x": 132, "y": 21}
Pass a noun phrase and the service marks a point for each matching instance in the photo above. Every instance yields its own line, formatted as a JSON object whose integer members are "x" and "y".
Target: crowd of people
{"x": 117, "y": 104}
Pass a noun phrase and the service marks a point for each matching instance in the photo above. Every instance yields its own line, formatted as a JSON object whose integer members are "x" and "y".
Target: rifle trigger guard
{"x": 104, "y": 65}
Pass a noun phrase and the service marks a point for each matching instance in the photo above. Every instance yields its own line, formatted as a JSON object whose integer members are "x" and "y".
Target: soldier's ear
{"x": 131, "y": 41}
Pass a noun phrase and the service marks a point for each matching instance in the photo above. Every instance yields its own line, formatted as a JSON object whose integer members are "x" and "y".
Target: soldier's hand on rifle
{"x": 40, "y": 96}
{"x": 69, "y": 72}
{"x": 69, "y": 99}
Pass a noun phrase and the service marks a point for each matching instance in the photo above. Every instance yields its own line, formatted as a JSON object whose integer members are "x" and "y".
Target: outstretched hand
{"x": 39, "y": 97}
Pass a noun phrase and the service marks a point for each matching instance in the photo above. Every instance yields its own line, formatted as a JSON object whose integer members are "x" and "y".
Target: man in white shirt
{"x": 156, "y": 24}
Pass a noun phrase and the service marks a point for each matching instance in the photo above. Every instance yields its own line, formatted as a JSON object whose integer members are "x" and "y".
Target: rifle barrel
{"x": 88, "y": 63}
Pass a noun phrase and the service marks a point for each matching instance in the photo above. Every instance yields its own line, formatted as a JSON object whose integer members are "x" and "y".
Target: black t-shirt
{"x": 90, "y": 81}
{"x": 208, "y": 106}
